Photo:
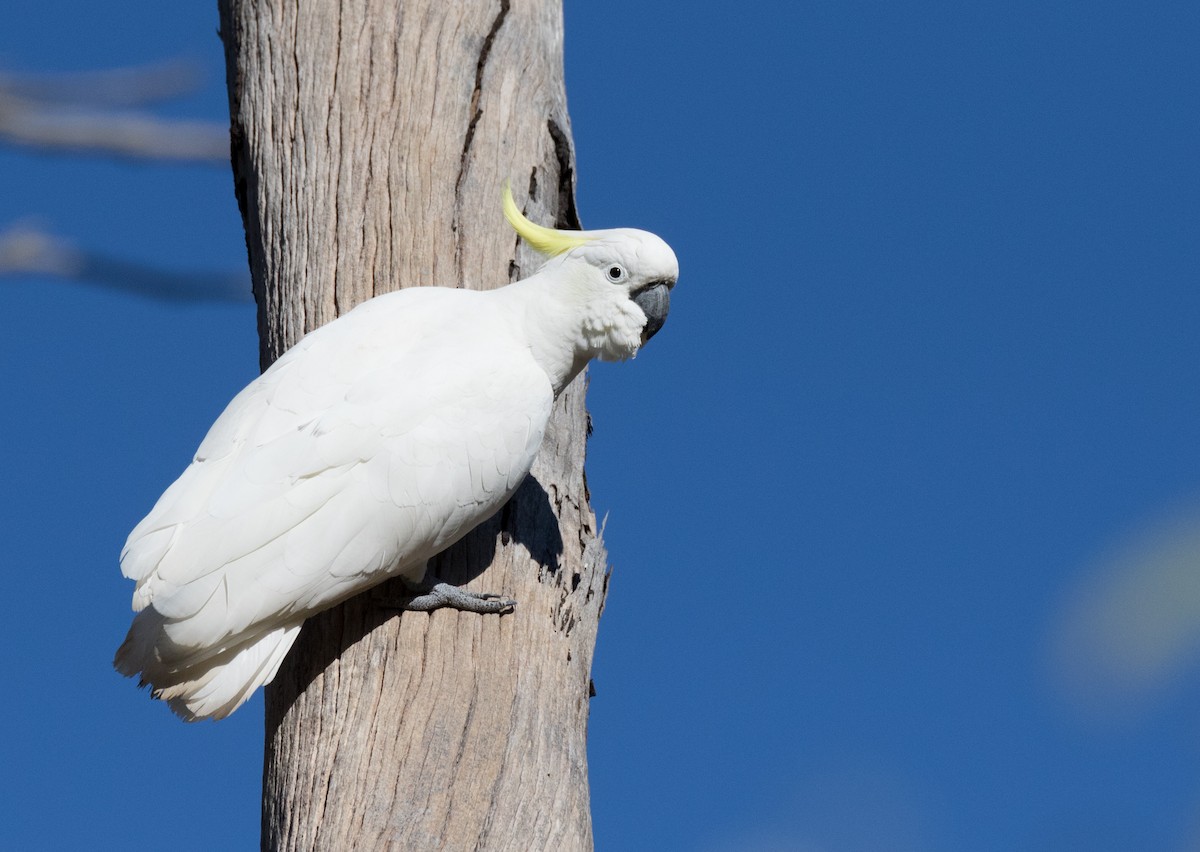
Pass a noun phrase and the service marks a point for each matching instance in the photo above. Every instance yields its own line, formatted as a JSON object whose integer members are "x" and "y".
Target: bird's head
{"x": 624, "y": 277}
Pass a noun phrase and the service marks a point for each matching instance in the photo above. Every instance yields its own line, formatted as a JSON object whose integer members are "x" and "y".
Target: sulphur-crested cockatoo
{"x": 377, "y": 441}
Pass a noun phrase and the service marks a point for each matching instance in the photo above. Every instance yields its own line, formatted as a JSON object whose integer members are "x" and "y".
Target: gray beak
{"x": 655, "y": 301}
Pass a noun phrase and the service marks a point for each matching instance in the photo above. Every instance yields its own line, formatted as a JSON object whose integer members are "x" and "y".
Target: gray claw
{"x": 445, "y": 595}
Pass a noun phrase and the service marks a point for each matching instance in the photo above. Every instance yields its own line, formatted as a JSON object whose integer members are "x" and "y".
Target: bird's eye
{"x": 615, "y": 273}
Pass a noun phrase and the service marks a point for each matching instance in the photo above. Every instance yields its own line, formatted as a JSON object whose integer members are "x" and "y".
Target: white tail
{"x": 208, "y": 687}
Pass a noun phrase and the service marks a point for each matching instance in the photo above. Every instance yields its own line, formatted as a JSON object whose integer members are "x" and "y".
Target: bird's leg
{"x": 433, "y": 594}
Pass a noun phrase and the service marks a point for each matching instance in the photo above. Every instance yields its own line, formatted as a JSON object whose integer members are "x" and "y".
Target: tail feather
{"x": 208, "y": 685}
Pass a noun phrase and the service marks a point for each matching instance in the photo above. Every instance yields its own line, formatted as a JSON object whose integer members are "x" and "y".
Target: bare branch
{"x": 112, "y": 87}
{"x": 48, "y": 113}
{"x": 25, "y": 249}
{"x": 123, "y": 134}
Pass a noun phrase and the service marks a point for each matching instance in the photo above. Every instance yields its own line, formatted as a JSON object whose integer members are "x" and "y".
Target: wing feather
{"x": 373, "y": 444}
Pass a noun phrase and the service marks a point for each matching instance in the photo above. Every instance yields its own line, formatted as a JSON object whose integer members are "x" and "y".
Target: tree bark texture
{"x": 370, "y": 141}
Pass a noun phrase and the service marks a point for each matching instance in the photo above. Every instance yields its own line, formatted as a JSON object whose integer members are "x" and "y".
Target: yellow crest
{"x": 548, "y": 241}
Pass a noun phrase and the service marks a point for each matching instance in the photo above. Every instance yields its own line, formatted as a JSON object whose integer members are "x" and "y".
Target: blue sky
{"x": 904, "y": 502}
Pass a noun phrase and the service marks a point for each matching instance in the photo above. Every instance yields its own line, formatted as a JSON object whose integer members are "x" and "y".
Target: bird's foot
{"x": 433, "y": 596}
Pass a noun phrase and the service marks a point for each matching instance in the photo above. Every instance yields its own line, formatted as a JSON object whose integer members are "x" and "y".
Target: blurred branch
{"x": 114, "y": 87}
{"x": 25, "y": 249}
{"x": 68, "y": 112}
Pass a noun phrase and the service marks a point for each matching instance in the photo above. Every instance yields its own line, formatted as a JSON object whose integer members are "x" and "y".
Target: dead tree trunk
{"x": 370, "y": 143}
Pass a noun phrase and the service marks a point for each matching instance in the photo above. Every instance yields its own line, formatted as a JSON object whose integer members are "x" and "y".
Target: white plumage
{"x": 374, "y": 443}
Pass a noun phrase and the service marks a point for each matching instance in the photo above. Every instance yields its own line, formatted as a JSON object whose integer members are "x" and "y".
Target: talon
{"x": 441, "y": 595}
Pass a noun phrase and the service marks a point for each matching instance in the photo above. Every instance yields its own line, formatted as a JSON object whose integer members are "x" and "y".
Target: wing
{"x": 376, "y": 442}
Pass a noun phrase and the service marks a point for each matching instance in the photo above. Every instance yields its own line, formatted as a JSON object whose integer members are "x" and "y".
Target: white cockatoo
{"x": 377, "y": 441}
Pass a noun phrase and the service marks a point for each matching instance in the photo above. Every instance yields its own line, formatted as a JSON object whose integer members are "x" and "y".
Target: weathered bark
{"x": 370, "y": 143}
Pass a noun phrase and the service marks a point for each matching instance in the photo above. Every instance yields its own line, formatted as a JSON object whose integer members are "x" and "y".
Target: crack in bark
{"x": 485, "y": 827}
{"x": 457, "y": 761}
{"x": 476, "y": 113}
{"x": 231, "y": 34}
{"x": 568, "y": 215}
{"x": 337, "y": 168}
